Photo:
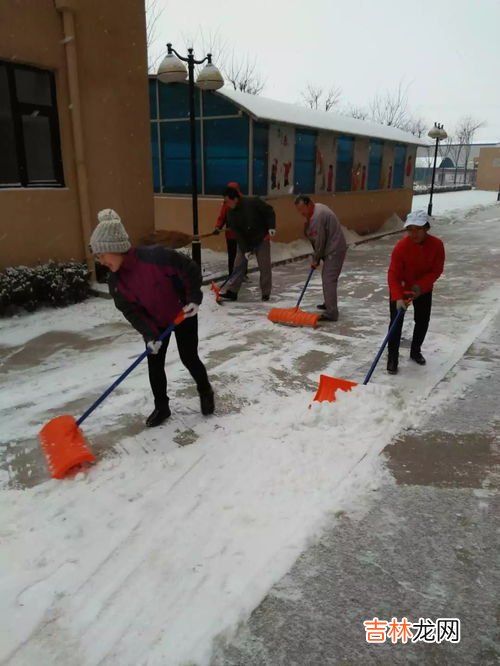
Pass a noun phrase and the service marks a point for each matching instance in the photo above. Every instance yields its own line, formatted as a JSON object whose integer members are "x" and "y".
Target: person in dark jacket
{"x": 254, "y": 223}
{"x": 151, "y": 286}
{"x": 416, "y": 263}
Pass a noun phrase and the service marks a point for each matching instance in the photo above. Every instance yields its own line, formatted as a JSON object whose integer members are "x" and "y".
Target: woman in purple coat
{"x": 150, "y": 286}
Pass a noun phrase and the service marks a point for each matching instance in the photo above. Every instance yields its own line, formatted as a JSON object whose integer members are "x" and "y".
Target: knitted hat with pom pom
{"x": 110, "y": 235}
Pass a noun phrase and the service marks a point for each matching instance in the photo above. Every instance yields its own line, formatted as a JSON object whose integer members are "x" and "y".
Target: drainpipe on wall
{"x": 65, "y": 7}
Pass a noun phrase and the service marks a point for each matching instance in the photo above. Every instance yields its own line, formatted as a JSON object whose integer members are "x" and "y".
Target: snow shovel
{"x": 172, "y": 239}
{"x": 62, "y": 440}
{"x": 329, "y": 385}
{"x": 215, "y": 287}
{"x": 295, "y": 316}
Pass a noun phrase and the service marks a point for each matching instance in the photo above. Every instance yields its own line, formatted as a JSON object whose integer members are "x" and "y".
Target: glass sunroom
{"x": 270, "y": 148}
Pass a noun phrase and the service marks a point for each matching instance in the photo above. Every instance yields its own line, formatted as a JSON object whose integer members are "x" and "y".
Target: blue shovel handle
{"x": 399, "y": 316}
{"x": 103, "y": 396}
{"x": 305, "y": 286}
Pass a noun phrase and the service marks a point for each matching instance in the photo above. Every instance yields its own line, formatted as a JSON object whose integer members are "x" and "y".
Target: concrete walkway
{"x": 425, "y": 541}
{"x": 427, "y": 546}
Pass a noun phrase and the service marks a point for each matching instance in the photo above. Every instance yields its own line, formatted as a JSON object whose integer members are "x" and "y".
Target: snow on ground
{"x": 454, "y": 201}
{"x": 177, "y": 533}
{"x": 215, "y": 263}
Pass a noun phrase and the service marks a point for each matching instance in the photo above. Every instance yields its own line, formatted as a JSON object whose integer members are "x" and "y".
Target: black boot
{"x": 207, "y": 403}
{"x": 321, "y": 306}
{"x": 418, "y": 358}
{"x": 392, "y": 364}
{"x": 229, "y": 295}
{"x": 158, "y": 415}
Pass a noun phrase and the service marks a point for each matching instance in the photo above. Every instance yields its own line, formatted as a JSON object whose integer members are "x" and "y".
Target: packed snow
{"x": 177, "y": 533}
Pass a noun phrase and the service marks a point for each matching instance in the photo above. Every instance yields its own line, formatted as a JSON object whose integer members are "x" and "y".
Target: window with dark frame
{"x": 345, "y": 156}
{"x": 375, "y": 156}
{"x": 398, "y": 179}
{"x": 29, "y": 128}
{"x": 225, "y": 153}
{"x": 305, "y": 161}
{"x": 260, "y": 157}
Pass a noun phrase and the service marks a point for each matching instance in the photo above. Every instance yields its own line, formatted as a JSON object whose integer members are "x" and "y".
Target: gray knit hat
{"x": 110, "y": 235}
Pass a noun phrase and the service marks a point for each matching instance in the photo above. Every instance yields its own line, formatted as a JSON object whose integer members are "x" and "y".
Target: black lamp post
{"x": 172, "y": 70}
{"x": 438, "y": 133}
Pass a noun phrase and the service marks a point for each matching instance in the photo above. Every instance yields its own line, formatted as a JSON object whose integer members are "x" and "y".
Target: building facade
{"x": 275, "y": 150}
{"x": 488, "y": 170}
{"x": 74, "y": 125}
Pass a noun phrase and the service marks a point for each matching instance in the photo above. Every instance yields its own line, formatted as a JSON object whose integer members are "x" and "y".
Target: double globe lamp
{"x": 173, "y": 70}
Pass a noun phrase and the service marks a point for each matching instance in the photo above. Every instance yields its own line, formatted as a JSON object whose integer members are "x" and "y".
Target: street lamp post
{"x": 172, "y": 70}
{"x": 438, "y": 133}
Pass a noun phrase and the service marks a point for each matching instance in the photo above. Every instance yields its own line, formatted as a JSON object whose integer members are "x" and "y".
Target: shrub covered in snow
{"x": 53, "y": 284}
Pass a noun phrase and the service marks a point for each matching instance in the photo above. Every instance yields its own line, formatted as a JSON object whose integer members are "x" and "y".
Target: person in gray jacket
{"x": 327, "y": 238}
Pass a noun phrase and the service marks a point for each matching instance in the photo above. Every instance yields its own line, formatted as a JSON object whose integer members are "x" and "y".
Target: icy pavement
{"x": 177, "y": 534}
{"x": 424, "y": 544}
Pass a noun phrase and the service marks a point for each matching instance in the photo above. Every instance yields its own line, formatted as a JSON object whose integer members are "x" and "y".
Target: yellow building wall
{"x": 488, "y": 170}
{"x": 41, "y": 224}
{"x": 363, "y": 212}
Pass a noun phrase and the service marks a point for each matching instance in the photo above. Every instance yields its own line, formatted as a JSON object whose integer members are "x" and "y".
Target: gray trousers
{"x": 263, "y": 256}
{"x": 332, "y": 265}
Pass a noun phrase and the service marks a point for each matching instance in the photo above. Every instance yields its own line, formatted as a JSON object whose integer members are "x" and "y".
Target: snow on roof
{"x": 427, "y": 162}
{"x": 428, "y": 143}
{"x": 263, "y": 108}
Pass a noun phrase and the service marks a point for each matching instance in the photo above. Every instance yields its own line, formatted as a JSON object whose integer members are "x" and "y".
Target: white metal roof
{"x": 427, "y": 162}
{"x": 477, "y": 144}
{"x": 270, "y": 110}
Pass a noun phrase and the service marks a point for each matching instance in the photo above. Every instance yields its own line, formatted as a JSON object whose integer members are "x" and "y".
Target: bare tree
{"x": 465, "y": 131}
{"x": 447, "y": 148}
{"x": 239, "y": 70}
{"x": 207, "y": 42}
{"x": 242, "y": 74}
{"x": 154, "y": 12}
{"x": 416, "y": 126}
{"x": 453, "y": 149}
{"x": 358, "y": 112}
{"x": 391, "y": 108}
{"x": 318, "y": 99}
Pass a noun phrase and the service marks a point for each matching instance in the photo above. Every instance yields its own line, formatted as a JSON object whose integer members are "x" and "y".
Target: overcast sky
{"x": 445, "y": 52}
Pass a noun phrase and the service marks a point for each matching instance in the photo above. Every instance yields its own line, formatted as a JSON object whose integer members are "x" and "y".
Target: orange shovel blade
{"x": 293, "y": 317}
{"x": 64, "y": 445}
{"x": 216, "y": 289}
{"x": 329, "y": 385}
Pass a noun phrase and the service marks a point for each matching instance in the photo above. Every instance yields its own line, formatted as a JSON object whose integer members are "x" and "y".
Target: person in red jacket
{"x": 416, "y": 263}
{"x": 231, "y": 242}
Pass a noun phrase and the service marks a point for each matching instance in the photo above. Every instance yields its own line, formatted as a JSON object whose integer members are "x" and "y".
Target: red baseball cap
{"x": 235, "y": 186}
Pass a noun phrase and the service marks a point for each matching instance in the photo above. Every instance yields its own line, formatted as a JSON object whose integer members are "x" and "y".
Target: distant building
{"x": 457, "y": 163}
{"x": 445, "y": 170}
{"x": 273, "y": 149}
{"x": 488, "y": 170}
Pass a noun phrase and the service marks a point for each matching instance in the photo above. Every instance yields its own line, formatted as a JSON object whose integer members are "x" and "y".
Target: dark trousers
{"x": 421, "y": 316}
{"x": 232, "y": 247}
{"x": 186, "y": 335}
